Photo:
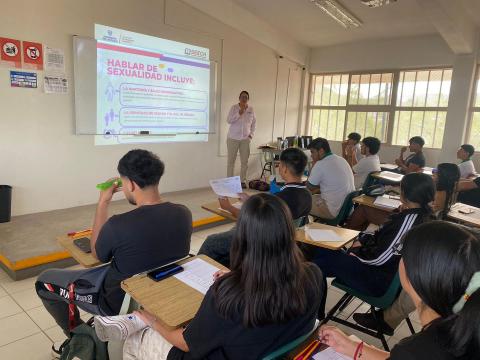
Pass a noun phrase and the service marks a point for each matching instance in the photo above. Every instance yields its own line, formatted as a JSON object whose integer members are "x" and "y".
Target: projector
{"x": 377, "y": 3}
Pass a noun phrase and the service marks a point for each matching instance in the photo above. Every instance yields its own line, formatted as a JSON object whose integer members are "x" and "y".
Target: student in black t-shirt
{"x": 414, "y": 162}
{"x": 151, "y": 235}
{"x": 440, "y": 271}
{"x": 469, "y": 192}
{"x": 269, "y": 297}
{"x": 298, "y": 199}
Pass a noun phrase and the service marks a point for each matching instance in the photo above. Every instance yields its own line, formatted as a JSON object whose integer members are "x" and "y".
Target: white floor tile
{"x": 35, "y": 347}
{"x": 3, "y": 274}
{"x": 55, "y": 334}
{"x": 195, "y": 243}
{"x": 27, "y": 299}
{"x": 16, "y": 327}
{"x": 2, "y": 292}
{"x": 8, "y": 307}
{"x": 12, "y": 286}
{"x": 42, "y": 318}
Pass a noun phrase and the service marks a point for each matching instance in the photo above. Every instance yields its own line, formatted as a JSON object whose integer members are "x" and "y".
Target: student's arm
{"x": 226, "y": 205}
{"x": 174, "y": 337}
{"x": 465, "y": 185}
{"x": 439, "y": 201}
{"x": 340, "y": 342}
{"x": 101, "y": 214}
{"x": 313, "y": 188}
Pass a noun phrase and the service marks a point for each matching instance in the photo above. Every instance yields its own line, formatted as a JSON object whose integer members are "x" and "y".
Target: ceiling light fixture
{"x": 377, "y": 3}
{"x": 338, "y": 13}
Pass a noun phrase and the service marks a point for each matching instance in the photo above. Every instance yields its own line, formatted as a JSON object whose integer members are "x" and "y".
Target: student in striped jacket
{"x": 372, "y": 262}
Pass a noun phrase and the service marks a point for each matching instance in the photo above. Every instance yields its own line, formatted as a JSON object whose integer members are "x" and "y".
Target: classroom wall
{"x": 52, "y": 168}
{"x": 391, "y": 54}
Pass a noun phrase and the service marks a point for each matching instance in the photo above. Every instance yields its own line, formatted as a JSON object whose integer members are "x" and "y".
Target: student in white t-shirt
{"x": 465, "y": 153}
{"x": 352, "y": 146}
{"x": 371, "y": 162}
{"x": 331, "y": 180}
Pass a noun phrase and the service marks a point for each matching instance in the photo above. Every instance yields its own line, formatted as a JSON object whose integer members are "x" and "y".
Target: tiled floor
{"x": 27, "y": 330}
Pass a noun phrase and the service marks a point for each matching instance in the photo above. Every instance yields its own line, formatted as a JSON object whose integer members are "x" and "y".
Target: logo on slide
{"x": 109, "y": 37}
{"x": 196, "y": 53}
{"x": 10, "y": 49}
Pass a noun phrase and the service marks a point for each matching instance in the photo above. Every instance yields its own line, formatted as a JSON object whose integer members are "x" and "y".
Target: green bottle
{"x": 107, "y": 184}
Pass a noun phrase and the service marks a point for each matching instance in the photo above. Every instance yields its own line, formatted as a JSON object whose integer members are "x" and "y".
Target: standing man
{"x": 242, "y": 127}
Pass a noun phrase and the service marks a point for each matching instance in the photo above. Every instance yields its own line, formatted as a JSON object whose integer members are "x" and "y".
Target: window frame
{"x": 391, "y": 109}
{"x": 474, "y": 109}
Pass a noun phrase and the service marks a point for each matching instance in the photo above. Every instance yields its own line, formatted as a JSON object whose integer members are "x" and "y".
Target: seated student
{"x": 351, "y": 147}
{"x": 440, "y": 272}
{"x": 372, "y": 262}
{"x": 331, "y": 180}
{"x": 269, "y": 297}
{"x": 469, "y": 191}
{"x": 369, "y": 163}
{"x": 414, "y": 162}
{"x": 151, "y": 235}
{"x": 465, "y": 153}
{"x": 299, "y": 200}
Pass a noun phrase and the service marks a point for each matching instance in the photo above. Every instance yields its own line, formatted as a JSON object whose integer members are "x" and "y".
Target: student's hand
{"x": 338, "y": 340}
{"x": 146, "y": 317}
{"x": 219, "y": 274}
{"x": 106, "y": 195}
{"x": 398, "y": 162}
{"x": 224, "y": 203}
{"x": 403, "y": 149}
{"x": 243, "y": 197}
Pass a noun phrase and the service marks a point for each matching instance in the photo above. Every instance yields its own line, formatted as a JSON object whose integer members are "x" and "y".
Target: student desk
{"x": 369, "y": 201}
{"x": 87, "y": 260}
{"x": 472, "y": 219}
{"x": 173, "y": 302}
{"x": 214, "y": 207}
{"x": 347, "y": 235}
{"x": 388, "y": 176}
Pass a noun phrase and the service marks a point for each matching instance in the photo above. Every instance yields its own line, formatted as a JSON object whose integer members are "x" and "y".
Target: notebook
{"x": 386, "y": 202}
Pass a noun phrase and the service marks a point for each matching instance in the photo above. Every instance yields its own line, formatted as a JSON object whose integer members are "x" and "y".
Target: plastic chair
{"x": 381, "y": 302}
{"x": 279, "y": 353}
{"x": 343, "y": 213}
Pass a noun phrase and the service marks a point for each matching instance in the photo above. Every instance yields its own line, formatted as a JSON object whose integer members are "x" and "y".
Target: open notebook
{"x": 386, "y": 202}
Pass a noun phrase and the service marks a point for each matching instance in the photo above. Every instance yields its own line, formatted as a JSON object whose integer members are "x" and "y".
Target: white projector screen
{"x": 134, "y": 88}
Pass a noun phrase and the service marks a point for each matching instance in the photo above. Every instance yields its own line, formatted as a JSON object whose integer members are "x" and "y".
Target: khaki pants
{"x": 233, "y": 146}
{"x": 399, "y": 310}
{"x": 146, "y": 344}
{"x": 320, "y": 208}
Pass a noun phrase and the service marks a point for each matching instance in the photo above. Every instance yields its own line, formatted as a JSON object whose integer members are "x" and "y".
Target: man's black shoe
{"x": 373, "y": 321}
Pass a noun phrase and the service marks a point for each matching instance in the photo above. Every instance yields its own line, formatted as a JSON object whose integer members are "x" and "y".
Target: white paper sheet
{"x": 387, "y": 202}
{"x": 54, "y": 61}
{"x": 227, "y": 187}
{"x": 197, "y": 274}
{"x": 330, "y": 354}
{"x": 389, "y": 166}
{"x": 55, "y": 84}
{"x": 323, "y": 235}
{"x": 391, "y": 175}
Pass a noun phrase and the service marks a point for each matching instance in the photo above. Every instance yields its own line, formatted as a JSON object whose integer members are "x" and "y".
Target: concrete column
{"x": 458, "y": 114}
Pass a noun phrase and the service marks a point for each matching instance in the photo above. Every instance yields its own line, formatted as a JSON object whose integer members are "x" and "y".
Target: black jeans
{"x": 217, "y": 247}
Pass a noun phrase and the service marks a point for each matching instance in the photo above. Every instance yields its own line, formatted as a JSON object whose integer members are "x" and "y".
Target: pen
{"x": 305, "y": 351}
{"x": 313, "y": 348}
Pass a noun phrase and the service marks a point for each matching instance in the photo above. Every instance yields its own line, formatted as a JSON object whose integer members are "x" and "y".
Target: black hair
{"x": 295, "y": 160}
{"x": 372, "y": 143}
{"x": 244, "y": 92}
{"x": 440, "y": 259}
{"x": 142, "y": 167}
{"x": 469, "y": 149}
{"x": 320, "y": 143}
{"x": 418, "y": 188}
{"x": 448, "y": 175}
{"x": 417, "y": 140}
{"x": 269, "y": 277}
{"x": 354, "y": 136}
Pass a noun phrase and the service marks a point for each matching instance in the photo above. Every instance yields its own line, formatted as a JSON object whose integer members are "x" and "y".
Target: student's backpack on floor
{"x": 84, "y": 345}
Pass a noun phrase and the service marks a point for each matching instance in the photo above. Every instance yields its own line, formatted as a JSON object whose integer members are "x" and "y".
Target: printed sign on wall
{"x": 11, "y": 52}
{"x": 23, "y": 79}
{"x": 32, "y": 55}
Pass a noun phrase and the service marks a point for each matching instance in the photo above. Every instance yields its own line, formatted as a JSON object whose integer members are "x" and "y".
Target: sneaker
{"x": 373, "y": 321}
{"x": 118, "y": 327}
{"x": 57, "y": 349}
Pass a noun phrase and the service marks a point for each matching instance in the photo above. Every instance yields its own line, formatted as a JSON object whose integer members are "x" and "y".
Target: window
{"x": 392, "y": 106}
{"x": 475, "y": 123}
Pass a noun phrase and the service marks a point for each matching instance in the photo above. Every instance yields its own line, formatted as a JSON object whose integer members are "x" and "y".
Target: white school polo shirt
{"x": 364, "y": 167}
{"x": 466, "y": 169}
{"x": 335, "y": 178}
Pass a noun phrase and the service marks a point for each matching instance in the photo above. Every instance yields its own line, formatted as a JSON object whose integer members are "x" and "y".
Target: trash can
{"x": 5, "y": 203}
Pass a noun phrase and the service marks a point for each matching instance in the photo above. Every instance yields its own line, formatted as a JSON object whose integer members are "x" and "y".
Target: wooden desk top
{"x": 472, "y": 219}
{"x": 173, "y": 302}
{"x": 347, "y": 234}
{"x": 84, "y": 259}
{"x": 389, "y": 176}
{"x": 369, "y": 201}
{"x": 214, "y": 207}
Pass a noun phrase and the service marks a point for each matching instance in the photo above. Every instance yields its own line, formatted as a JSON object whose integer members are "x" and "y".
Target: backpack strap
{"x": 71, "y": 307}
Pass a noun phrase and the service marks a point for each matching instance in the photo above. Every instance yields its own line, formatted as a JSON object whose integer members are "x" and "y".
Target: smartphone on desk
{"x": 83, "y": 244}
{"x": 164, "y": 272}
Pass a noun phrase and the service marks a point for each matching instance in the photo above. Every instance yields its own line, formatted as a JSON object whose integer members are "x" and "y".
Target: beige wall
{"x": 51, "y": 168}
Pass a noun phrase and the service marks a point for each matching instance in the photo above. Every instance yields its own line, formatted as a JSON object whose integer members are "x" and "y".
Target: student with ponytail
{"x": 440, "y": 271}
{"x": 446, "y": 181}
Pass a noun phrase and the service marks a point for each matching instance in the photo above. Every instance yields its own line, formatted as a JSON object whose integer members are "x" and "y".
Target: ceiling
{"x": 303, "y": 21}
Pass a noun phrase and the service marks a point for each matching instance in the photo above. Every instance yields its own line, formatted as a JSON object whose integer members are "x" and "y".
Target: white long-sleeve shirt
{"x": 241, "y": 126}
